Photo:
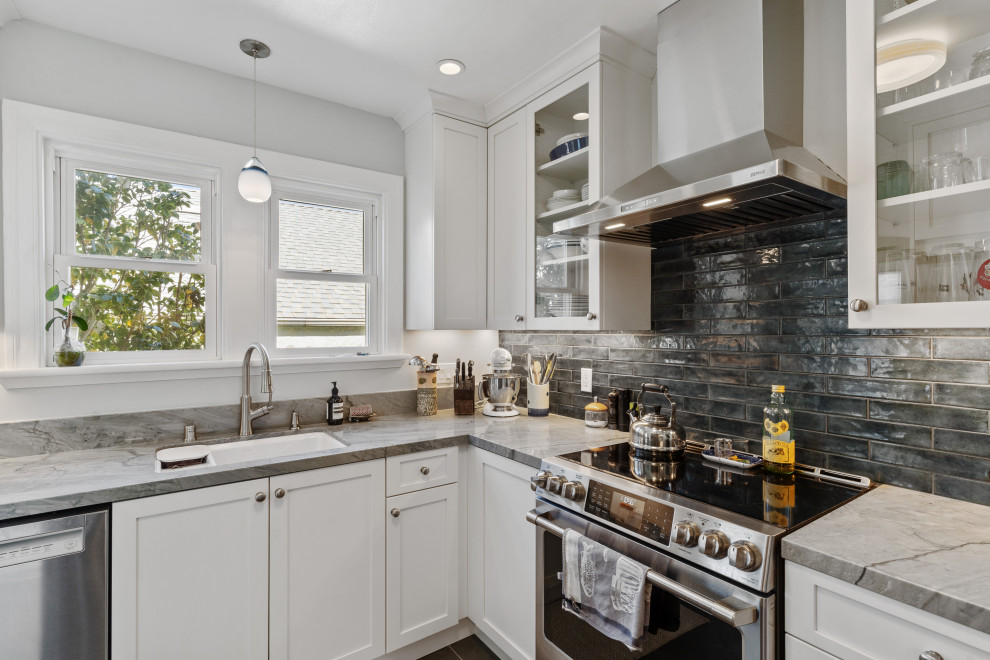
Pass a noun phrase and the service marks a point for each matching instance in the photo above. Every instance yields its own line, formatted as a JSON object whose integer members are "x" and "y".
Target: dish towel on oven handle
{"x": 606, "y": 589}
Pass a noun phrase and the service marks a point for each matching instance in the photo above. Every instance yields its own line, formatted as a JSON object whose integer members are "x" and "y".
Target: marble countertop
{"x": 928, "y": 551}
{"x": 52, "y": 482}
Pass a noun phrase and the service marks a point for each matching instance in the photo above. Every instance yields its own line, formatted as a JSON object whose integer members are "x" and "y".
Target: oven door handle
{"x": 730, "y": 610}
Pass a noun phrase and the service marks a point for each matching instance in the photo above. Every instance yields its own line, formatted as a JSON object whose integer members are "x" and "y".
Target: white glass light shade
{"x": 253, "y": 184}
{"x": 906, "y": 62}
{"x": 450, "y": 67}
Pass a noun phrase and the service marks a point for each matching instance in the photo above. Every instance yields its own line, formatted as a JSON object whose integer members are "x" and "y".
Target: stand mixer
{"x": 501, "y": 387}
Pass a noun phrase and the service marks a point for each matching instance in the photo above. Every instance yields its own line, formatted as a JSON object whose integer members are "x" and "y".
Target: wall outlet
{"x": 585, "y": 380}
{"x": 445, "y": 376}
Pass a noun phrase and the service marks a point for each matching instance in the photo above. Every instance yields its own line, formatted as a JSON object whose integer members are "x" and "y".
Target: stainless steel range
{"x": 710, "y": 533}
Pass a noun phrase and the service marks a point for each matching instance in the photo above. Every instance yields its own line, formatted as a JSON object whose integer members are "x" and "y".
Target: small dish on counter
{"x": 739, "y": 459}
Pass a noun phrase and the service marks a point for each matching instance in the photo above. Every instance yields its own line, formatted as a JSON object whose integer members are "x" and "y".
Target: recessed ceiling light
{"x": 717, "y": 202}
{"x": 616, "y": 225}
{"x": 450, "y": 67}
{"x": 581, "y": 116}
{"x": 906, "y": 62}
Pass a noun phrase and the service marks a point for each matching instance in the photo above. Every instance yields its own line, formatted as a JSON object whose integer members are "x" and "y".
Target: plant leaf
{"x": 81, "y": 322}
{"x": 48, "y": 326}
{"x": 52, "y": 293}
{"x": 61, "y": 311}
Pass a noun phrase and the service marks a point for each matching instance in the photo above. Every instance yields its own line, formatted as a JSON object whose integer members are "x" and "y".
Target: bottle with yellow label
{"x": 778, "y": 440}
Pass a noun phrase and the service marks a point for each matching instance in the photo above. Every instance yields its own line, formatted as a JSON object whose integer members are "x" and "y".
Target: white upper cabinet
{"x": 507, "y": 223}
{"x": 446, "y": 225}
{"x": 576, "y": 283}
{"x": 919, "y": 163}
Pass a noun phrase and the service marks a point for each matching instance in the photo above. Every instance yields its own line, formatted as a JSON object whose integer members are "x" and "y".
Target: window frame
{"x": 336, "y": 196}
{"x": 60, "y": 254}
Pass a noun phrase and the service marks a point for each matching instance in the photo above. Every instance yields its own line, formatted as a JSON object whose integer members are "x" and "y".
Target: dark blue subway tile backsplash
{"x": 735, "y": 314}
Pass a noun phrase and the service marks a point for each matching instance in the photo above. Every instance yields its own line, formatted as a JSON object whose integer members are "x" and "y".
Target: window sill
{"x": 97, "y": 374}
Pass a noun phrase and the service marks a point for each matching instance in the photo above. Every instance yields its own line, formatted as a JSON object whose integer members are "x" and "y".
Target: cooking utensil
{"x": 536, "y": 372}
{"x": 470, "y": 372}
{"x": 654, "y": 432}
{"x": 436, "y": 356}
{"x": 457, "y": 373}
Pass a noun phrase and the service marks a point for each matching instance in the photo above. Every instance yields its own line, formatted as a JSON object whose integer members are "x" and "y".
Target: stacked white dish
{"x": 562, "y": 198}
{"x": 572, "y": 136}
{"x": 584, "y": 193}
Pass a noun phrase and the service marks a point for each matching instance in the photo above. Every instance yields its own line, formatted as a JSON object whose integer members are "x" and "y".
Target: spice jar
{"x": 596, "y": 415}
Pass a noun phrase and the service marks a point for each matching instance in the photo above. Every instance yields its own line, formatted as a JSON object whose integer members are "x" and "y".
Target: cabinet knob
{"x": 424, "y": 470}
{"x": 395, "y": 513}
{"x": 930, "y": 655}
{"x": 858, "y": 305}
{"x": 279, "y": 493}
{"x": 260, "y": 496}
{"x": 519, "y": 318}
{"x": 592, "y": 316}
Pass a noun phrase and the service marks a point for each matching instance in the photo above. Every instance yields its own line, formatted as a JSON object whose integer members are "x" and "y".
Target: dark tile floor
{"x": 469, "y": 648}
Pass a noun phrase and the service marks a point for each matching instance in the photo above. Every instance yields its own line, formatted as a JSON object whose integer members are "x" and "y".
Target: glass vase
{"x": 72, "y": 351}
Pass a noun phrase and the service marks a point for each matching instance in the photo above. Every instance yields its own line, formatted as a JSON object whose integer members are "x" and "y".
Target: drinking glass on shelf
{"x": 948, "y": 77}
{"x": 976, "y": 168}
{"x": 924, "y": 276}
{"x": 979, "y": 271}
{"x": 945, "y": 170}
{"x": 896, "y": 279}
{"x": 952, "y": 272}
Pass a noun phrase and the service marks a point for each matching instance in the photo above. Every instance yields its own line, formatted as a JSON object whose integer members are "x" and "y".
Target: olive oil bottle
{"x": 778, "y": 438}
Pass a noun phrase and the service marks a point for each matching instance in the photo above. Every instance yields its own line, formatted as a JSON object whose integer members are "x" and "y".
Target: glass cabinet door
{"x": 932, "y": 158}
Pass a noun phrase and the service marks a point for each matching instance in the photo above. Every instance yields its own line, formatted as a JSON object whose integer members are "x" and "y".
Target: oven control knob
{"x": 555, "y": 483}
{"x": 744, "y": 555}
{"x": 713, "y": 543}
{"x": 540, "y": 480}
{"x": 686, "y": 533}
{"x": 573, "y": 491}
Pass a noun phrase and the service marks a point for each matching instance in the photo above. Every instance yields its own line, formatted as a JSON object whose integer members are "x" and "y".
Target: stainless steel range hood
{"x": 730, "y": 128}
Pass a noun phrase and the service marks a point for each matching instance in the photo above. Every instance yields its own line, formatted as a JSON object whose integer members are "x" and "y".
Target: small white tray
{"x": 746, "y": 462}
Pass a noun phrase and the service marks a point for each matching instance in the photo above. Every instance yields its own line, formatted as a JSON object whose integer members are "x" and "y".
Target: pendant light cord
{"x": 254, "y": 135}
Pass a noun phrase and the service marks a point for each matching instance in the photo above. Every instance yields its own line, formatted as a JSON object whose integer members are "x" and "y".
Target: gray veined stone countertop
{"x": 928, "y": 551}
{"x": 52, "y": 482}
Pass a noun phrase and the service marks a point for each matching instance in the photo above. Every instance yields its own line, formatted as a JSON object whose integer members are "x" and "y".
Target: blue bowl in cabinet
{"x": 569, "y": 147}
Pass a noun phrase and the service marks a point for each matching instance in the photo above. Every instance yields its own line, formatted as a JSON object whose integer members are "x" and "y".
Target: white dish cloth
{"x": 606, "y": 589}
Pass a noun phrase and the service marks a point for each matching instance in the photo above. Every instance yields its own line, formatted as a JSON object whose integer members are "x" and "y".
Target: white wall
{"x": 63, "y": 70}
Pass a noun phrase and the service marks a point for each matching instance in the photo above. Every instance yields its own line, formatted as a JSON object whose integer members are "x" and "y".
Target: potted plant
{"x": 72, "y": 351}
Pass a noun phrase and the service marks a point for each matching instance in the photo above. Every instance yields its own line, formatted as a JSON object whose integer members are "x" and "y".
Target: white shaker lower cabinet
{"x": 189, "y": 575}
{"x": 327, "y": 559}
{"x": 421, "y": 564}
{"x": 853, "y": 623}
{"x": 502, "y": 553}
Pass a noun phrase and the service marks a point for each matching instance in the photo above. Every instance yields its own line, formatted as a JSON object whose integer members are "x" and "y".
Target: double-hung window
{"x": 324, "y": 282}
{"x": 136, "y": 246}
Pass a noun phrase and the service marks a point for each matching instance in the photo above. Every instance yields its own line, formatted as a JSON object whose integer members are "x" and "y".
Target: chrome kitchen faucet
{"x": 248, "y": 415}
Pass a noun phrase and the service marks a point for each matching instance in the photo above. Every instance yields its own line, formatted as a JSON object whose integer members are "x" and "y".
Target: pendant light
{"x": 253, "y": 184}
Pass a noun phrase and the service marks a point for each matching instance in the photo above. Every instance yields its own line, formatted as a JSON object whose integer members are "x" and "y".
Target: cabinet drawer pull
{"x": 858, "y": 305}
{"x": 930, "y": 655}
{"x": 260, "y": 496}
{"x": 592, "y": 316}
{"x": 425, "y": 470}
{"x": 279, "y": 493}
{"x": 519, "y": 318}
{"x": 395, "y": 513}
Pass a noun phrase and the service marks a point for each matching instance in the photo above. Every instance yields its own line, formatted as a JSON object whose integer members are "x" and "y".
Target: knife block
{"x": 464, "y": 397}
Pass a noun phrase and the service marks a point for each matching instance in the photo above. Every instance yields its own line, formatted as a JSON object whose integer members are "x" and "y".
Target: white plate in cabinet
{"x": 425, "y": 469}
{"x": 422, "y": 564}
{"x": 854, "y": 623}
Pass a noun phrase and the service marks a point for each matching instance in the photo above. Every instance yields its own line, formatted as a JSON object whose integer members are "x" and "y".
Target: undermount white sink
{"x": 242, "y": 451}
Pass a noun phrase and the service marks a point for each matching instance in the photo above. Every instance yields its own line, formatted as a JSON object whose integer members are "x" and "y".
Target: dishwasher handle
{"x": 732, "y": 611}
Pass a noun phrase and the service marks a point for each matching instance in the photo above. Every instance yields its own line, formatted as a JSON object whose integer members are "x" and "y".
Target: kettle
{"x": 653, "y": 432}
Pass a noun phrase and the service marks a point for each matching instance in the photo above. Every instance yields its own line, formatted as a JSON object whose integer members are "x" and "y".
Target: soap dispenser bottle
{"x": 335, "y": 407}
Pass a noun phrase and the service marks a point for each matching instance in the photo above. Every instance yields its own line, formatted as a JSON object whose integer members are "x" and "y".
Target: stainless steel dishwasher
{"x": 53, "y": 588}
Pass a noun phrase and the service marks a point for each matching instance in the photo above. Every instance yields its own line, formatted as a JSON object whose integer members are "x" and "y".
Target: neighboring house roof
{"x": 320, "y": 238}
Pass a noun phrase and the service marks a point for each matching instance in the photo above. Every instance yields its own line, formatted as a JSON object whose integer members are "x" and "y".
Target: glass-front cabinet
{"x": 918, "y": 76}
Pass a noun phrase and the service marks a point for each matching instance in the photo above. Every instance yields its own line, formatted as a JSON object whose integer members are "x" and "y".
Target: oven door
{"x": 694, "y": 614}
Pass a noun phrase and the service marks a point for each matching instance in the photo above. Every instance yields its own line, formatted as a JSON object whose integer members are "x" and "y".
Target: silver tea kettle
{"x": 652, "y": 431}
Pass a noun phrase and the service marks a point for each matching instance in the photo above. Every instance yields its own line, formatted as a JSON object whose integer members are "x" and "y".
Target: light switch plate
{"x": 585, "y": 380}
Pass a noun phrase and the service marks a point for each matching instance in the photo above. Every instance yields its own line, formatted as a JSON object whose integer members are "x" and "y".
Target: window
{"x": 135, "y": 246}
{"x": 324, "y": 279}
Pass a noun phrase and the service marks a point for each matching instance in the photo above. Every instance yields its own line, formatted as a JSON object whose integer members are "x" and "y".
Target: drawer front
{"x": 856, "y": 624}
{"x": 795, "y": 649}
{"x": 425, "y": 469}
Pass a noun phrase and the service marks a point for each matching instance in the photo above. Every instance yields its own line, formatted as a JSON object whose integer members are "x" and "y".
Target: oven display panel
{"x": 650, "y": 519}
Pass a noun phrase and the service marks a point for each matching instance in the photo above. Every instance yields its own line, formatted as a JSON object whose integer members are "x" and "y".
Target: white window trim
{"x": 60, "y": 240}
{"x": 374, "y": 257}
{"x": 29, "y": 132}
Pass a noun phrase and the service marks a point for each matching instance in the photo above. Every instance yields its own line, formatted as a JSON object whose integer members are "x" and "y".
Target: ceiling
{"x": 375, "y": 55}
